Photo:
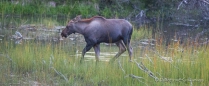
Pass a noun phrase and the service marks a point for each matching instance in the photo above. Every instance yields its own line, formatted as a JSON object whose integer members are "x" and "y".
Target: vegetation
{"x": 43, "y": 9}
{"x": 36, "y": 62}
{"x": 49, "y": 63}
{"x": 70, "y": 8}
{"x": 165, "y": 9}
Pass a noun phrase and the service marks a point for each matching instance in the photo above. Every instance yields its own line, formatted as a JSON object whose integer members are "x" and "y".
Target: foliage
{"x": 165, "y": 9}
{"x": 42, "y": 9}
{"x": 54, "y": 64}
{"x": 105, "y": 8}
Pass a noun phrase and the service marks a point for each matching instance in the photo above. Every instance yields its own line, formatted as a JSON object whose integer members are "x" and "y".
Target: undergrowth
{"x": 37, "y": 63}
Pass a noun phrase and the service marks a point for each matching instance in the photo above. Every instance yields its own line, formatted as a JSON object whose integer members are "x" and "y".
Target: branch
{"x": 134, "y": 76}
{"x": 121, "y": 67}
{"x": 183, "y": 1}
{"x": 137, "y": 77}
{"x": 148, "y": 58}
{"x": 207, "y": 2}
{"x": 179, "y": 5}
{"x": 206, "y": 42}
{"x": 143, "y": 68}
{"x": 60, "y": 74}
{"x": 131, "y": 75}
{"x": 168, "y": 59}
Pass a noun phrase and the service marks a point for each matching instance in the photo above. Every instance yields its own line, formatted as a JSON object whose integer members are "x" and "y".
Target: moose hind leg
{"x": 130, "y": 51}
{"x": 129, "y": 48}
{"x": 121, "y": 47}
{"x": 97, "y": 51}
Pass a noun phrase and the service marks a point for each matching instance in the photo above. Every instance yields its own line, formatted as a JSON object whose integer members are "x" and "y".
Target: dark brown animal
{"x": 98, "y": 29}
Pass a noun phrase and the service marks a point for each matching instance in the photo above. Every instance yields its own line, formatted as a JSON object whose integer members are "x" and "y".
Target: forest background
{"x": 135, "y": 10}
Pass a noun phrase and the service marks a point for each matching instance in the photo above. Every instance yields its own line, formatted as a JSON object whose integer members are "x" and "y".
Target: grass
{"x": 144, "y": 32}
{"x": 48, "y": 63}
{"x": 71, "y": 9}
{"x": 67, "y": 8}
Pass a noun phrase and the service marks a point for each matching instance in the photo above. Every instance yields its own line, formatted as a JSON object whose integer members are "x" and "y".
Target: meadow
{"x": 36, "y": 63}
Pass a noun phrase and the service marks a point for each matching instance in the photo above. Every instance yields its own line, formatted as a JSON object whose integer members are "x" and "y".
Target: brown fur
{"x": 91, "y": 19}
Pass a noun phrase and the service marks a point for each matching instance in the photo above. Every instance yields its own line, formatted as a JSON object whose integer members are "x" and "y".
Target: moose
{"x": 98, "y": 30}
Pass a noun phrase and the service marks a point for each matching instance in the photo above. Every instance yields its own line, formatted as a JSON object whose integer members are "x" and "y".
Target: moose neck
{"x": 80, "y": 26}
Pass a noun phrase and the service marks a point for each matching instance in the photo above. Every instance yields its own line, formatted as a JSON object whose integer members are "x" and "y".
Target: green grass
{"x": 72, "y": 9}
{"x": 143, "y": 32}
{"x": 67, "y": 8}
{"x": 55, "y": 64}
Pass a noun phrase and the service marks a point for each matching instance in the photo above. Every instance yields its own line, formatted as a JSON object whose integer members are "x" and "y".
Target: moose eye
{"x": 67, "y": 27}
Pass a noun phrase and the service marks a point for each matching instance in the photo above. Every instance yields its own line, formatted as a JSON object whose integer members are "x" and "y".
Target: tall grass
{"x": 67, "y": 8}
{"x": 56, "y": 64}
{"x": 76, "y": 8}
{"x": 143, "y": 32}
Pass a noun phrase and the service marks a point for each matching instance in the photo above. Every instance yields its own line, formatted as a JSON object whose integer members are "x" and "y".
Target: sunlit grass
{"x": 142, "y": 33}
{"x": 54, "y": 64}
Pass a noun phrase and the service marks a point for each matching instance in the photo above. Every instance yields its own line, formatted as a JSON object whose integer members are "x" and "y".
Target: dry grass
{"x": 37, "y": 63}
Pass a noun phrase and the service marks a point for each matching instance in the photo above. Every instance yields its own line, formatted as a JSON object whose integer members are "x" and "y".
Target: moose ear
{"x": 77, "y": 18}
{"x": 70, "y": 21}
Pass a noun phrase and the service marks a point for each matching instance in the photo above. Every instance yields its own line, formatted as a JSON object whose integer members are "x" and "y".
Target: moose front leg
{"x": 87, "y": 48}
